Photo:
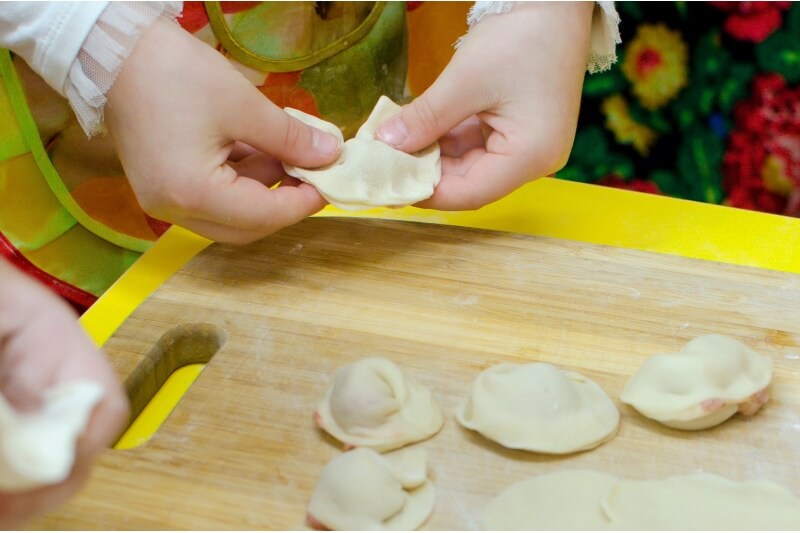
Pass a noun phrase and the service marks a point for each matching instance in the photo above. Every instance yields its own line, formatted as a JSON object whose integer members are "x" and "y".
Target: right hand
{"x": 201, "y": 146}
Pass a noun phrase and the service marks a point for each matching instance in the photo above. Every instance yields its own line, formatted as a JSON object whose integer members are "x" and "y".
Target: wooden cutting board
{"x": 240, "y": 451}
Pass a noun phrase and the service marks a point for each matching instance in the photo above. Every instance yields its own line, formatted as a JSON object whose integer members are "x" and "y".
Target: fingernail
{"x": 393, "y": 132}
{"x": 325, "y": 143}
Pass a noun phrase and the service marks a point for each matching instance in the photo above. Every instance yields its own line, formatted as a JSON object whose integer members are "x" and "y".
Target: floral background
{"x": 703, "y": 104}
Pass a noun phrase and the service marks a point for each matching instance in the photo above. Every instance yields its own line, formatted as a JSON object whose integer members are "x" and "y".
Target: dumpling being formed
{"x": 368, "y": 172}
{"x": 371, "y": 403}
{"x": 363, "y": 490}
{"x": 38, "y": 448}
{"x": 711, "y": 379}
{"x": 539, "y": 407}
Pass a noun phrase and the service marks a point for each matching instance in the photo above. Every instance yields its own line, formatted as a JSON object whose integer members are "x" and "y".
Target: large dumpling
{"x": 539, "y": 407}
{"x": 712, "y": 378}
{"x": 368, "y": 172}
{"x": 372, "y": 403}
{"x": 363, "y": 490}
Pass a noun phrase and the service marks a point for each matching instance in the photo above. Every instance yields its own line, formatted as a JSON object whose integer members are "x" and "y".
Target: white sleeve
{"x": 78, "y": 47}
{"x": 48, "y": 35}
{"x": 603, "y": 40}
{"x": 100, "y": 58}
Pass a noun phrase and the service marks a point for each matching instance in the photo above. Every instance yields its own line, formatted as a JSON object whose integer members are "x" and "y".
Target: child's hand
{"x": 200, "y": 144}
{"x": 505, "y": 109}
{"x": 41, "y": 345}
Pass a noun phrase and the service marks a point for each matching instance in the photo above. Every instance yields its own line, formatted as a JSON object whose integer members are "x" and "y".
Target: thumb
{"x": 453, "y": 97}
{"x": 271, "y": 130}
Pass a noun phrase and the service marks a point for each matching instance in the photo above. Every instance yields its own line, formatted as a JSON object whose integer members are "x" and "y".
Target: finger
{"x": 109, "y": 418}
{"x": 290, "y": 181}
{"x": 486, "y": 177}
{"x": 264, "y": 126}
{"x": 465, "y": 137}
{"x": 240, "y": 150}
{"x": 455, "y": 95}
{"x": 244, "y": 210}
{"x": 17, "y": 508}
{"x": 260, "y": 167}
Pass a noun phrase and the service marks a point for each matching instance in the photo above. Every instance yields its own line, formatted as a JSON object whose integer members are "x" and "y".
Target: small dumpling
{"x": 372, "y": 403}
{"x": 711, "y": 379}
{"x": 38, "y": 448}
{"x": 539, "y": 407}
{"x": 368, "y": 172}
{"x": 363, "y": 490}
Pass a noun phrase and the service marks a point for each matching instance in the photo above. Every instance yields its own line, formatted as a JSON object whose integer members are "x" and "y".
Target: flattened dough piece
{"x": 363, "y": 490}
{"x": 560, "y": 500}
{"x": 38, "y": 448}
{"x": 370, "y": 173}
{"x": 702, "y": 502}
{"x": 539, "y": 407}
{"x": 372, "y": 403}
{"x": 711, "y": 379}
{"x": 590, "y": 500}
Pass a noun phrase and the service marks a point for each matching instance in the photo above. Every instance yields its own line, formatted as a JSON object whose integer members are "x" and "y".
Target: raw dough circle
{"x": 561, "y": 500}
{"x": 708, "y": 381}
{"x": 702, "y": 502}
{"x": 539, "y": 407}
{"x": 363, "y": 490}
{"x": 589, "y": 500}
{"x": 372, "y": 403}
{"x": 368, "y": 172}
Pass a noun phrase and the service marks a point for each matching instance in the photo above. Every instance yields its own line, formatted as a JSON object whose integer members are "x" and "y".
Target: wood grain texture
{"x": 240, "y": 451}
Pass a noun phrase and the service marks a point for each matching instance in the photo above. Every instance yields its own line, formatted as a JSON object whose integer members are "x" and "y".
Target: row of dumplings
{"x": 372, "y": 406}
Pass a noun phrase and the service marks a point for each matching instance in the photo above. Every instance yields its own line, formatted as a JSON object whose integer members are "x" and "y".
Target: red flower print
{"x": 752, "y": 21}
{"x": 638, "y": 185}
{"x": 761, "y": 166}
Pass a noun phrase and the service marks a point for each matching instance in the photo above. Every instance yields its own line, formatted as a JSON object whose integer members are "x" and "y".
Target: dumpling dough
{"x": 38, "y": 448}
{"x": 560, "y": 500}
{"x": 589, "y": 500}
{"x": 371, "y": 173}
{"x": 371, "y": 403}
{"x": 702, "y": 502}
{"x": 703, "y": 385}
{"x": 363, "y": 490}
{"x": 539, "y": 407}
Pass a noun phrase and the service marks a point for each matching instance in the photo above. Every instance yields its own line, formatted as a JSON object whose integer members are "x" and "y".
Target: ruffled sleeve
{"x": 99, "y": 61}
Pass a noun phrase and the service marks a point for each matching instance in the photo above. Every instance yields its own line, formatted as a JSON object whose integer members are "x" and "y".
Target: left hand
{"x": 505, "y": 108}
{"x": 41, "y": 345}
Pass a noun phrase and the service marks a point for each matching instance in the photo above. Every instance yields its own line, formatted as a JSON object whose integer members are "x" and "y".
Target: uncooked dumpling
{"x": 38, "y": 448}
{"x": 560, "y": 500}
{"x": 703, "y": 385}
{"x": 371, "y": 403}
{"x": 371, "y": 173}
{"x": 589, "y": 500}
{"x": 363, "y": 490}
{"x": 539, "y": 407}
